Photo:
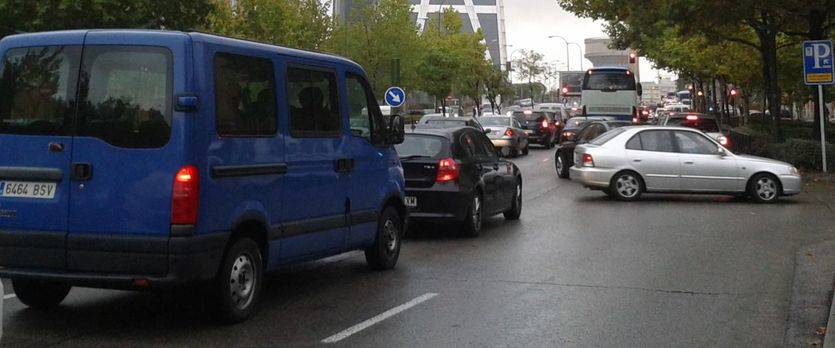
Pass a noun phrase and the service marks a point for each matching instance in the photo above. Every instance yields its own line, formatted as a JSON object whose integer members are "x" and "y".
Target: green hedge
{"x": 802, "y": 153}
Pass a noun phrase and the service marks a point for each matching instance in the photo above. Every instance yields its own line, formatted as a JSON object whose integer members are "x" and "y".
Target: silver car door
{"x": 651, "y": 153}
{"x": 702, "y": 168}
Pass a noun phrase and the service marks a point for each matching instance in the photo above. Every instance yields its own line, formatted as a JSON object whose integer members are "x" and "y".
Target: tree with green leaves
{"x": 374, "y": 35}
{"x": 497, "y": 84}
{"x": 303, "y": 24}
{"x": 530, "y": 67}
{"x": 31, "y": 16}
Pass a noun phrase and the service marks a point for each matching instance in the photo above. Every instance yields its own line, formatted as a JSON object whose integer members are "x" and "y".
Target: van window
{"x": 609, "y": 80}
{"x": 363, "y": 113}
{"x": 127, "y": 95}
{"x": 37, "y": 90}
{"x": 244, "y": 96}
{"x": 313, "y": 103}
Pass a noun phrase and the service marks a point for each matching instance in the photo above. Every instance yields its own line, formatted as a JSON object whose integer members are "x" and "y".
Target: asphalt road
{"x": 577, "y": 270}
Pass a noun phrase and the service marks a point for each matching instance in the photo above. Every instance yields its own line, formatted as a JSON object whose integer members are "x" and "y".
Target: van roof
{"x": 68, "y": 35}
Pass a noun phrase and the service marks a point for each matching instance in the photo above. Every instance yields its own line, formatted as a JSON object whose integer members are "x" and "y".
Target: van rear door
{"x": 128, "y": 148}
{"x": 37, "y": 111}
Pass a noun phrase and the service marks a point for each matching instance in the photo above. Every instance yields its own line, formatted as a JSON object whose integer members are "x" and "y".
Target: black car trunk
{"x": 420, "y": 172}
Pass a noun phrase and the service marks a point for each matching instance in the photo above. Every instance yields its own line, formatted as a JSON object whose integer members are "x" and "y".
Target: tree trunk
{"x": 771, "y": 86}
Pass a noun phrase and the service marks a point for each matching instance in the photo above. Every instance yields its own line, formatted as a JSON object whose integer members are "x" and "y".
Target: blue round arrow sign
{"x": 395, "y": 96}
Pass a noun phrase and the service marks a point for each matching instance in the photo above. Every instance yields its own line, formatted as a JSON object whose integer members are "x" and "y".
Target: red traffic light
{"x": 733, "y": 92}
{"x": 565, "y": 90}
{"x": 633, "y": 57}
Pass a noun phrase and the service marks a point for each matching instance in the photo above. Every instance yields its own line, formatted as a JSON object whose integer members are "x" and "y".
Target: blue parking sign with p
{"x": 817, "y": 62}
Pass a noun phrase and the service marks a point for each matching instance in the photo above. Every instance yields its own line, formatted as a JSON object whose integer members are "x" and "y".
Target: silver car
{"x": 628, "y": 161}
{"x": 506, "y": 134}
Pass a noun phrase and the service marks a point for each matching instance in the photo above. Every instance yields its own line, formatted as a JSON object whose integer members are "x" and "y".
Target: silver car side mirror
{"x": 721, "y": 151}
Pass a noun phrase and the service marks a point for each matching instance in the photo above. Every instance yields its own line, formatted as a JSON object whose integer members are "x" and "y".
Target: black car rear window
{"x": 707, "y": 125}
{"x": 495, "y": 121}
{"x": 38, "y": 89}
{"x": 605, "y": 137}
{"x": 529, "y": 116}
{"x": 419, "y": 145}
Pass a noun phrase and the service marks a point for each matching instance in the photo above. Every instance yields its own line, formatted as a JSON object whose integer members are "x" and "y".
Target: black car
{"x": 456, "y": 176}
{"x": 564, "y": 156}
{"x": 541, "y": 126}
{"x": 574, "y": 124}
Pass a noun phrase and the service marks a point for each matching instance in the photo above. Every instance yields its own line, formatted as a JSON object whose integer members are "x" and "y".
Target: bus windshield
{"x": 609, "y": 80}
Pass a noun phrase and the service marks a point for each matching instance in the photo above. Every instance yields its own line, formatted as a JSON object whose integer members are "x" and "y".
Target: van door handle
{"x": 637, "y": 160}
{"x": 82, "y": 171}
{"x": 56, "y": 147}
{"x": 344, "y": 165}
{"x": 688, "y": 162}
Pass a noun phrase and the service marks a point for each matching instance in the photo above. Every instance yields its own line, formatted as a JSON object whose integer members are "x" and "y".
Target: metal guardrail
{"x": 740, "y": 142}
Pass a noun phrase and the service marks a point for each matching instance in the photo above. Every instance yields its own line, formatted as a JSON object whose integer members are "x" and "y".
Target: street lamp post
{"x": 579, "y": 54}
{"x": 567, "y": 60}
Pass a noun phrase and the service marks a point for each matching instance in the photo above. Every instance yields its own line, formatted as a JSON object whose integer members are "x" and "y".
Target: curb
{"x": 829, "y": 338}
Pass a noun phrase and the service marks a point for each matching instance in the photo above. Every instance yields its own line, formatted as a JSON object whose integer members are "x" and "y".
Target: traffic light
{"x": 633, "y": 57}
{"x": 733, "y": 92}
{"x": 564, "y": 90}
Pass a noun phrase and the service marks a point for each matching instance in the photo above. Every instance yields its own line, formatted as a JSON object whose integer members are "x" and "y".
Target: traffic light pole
{"x": 823, "y": 123}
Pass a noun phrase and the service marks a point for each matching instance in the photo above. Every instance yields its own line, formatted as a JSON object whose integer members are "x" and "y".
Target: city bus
{"x": 612, "y": 92}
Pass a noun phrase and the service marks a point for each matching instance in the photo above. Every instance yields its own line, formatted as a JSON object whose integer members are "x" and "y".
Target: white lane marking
{"x": 380, "y": 317}
{"x": 9, "y": 296}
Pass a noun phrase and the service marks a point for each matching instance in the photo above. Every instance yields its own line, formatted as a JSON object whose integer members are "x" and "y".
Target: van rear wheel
{"x": 238, "y": 284}
{"x": 40, "y": 294}
{"x": 384, "y": 253}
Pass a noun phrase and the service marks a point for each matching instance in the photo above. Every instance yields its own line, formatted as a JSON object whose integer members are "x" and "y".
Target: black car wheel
{"x": 764, "y": 188}
{"x": 516, "y": 206}
{"x": 238, "y": 284}
{"x": 626, "y": 186}
{"x": 562, "y": 166}
{"x": 473, "y": 221}
{"x": 525, "y": 150}
{"x": 40, "y": 294}
{"x": 384, "y": 253}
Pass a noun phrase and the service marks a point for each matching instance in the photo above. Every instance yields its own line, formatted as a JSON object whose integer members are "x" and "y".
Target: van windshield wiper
{"x": 411, "y": 157}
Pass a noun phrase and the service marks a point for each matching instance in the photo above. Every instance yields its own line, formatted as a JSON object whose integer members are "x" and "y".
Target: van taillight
{"x": 185, "y": 196}
{"x": 508, "y": 132}
{"x": 545, "y": 123}
{"x": 448, "y": 170}
{"x": 587, "y": 160}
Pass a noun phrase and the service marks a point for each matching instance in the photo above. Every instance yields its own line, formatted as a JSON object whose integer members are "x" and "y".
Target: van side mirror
{"x": 640, "y": 89}
{"x": 396, "y": 130}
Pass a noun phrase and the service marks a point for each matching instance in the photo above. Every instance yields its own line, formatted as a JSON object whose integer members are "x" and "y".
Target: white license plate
{"x": 528, "y": 131}
{"x": 410, "y": 202}
{"x": 20, "y": 189}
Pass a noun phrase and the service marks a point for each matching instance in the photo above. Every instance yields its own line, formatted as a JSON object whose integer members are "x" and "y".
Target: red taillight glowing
{"x": 587, "y": 160}
{"x": 448, "y": 170}
{"x": 185, "y": 196}
{"x": 634, "y": 120}
{"x": 544, "y": 123}
{"x": 508, "y": 132}
{"x": 692, "y": 117}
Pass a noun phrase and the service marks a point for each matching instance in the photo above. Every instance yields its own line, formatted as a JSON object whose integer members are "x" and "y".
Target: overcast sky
{"x": 530, "y": 22}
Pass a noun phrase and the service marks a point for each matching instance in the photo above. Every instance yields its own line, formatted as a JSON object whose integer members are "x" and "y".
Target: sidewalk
{"x": 822, "y": 188}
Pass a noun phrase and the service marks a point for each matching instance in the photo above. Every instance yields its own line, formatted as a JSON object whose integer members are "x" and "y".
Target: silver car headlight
{"x": 793, "y": 171}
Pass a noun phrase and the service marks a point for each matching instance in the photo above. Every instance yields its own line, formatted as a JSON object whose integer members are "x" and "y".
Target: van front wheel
{"x": 40, "y": 294}
{"x": 384, "y": 253}
{"x": 238, "y": 284}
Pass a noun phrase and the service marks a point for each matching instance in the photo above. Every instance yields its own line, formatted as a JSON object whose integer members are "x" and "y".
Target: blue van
{"x": 154, "y": 159}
